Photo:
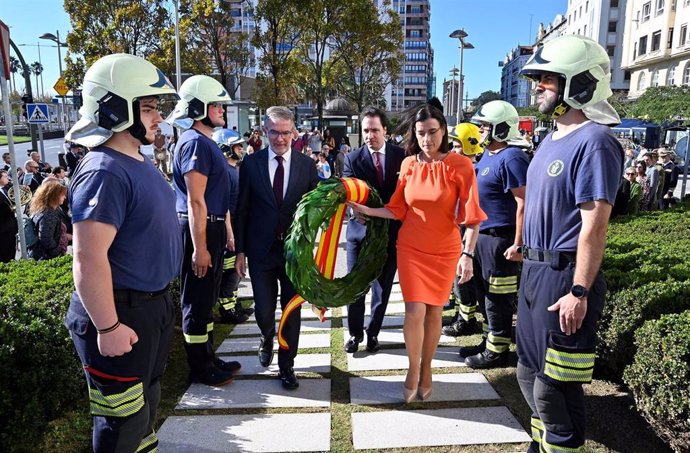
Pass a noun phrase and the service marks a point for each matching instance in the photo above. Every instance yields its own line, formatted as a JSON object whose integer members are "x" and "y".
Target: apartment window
{"x": 655, "y": 78}
{"x": 635, "y": 51}
{"x": 671, "y": 75}
{"x": 610, "y": 50}
{"x": 673, "y": 5}
{"x": 614, "y": 3}
{"x": 669, "y": 41}
{"x": 626, "y": 76}
{"x": 574, "y": 15}
{"x": 659, "y": 9}
{"x": 613, "y": 26}
{"x": 656, "y": 40}
{"x": 642, "y": 48}
{"x": 580, "y": 11}
{"x": 646, "y": 11}
{"x": 586, "y": 6}
{"x": 686, "y": 74}
{"x": 642, "y": 82}
{"x": 683, "y": 34}
{"x": 584, "y": 31}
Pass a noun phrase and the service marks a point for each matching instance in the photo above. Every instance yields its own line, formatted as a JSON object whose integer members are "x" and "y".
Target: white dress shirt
{"x": 273, "y": 166}
{"x": 382, "y": 157}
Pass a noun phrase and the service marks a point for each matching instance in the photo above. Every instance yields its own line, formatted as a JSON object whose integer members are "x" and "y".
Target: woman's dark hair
{"x": 426, "y": 112}
{"x": 641, "y": 163}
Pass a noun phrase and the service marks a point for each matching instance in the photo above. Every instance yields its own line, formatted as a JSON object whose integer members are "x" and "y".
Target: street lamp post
{"x": 461, "y": 34}
{"x": 178, "y": 65}
{"x": 56, "y": 39}
{"x": 453, "y": 73}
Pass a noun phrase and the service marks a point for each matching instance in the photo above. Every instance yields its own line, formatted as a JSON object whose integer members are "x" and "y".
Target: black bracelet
{"x": 109, "y": 329}
{"x": 470, "y": 254}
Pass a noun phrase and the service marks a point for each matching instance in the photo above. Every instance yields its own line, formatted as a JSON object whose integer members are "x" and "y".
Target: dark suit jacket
{"x": 258, "y": 216}
{"x": 71, "y": 160}
{"x": 359, "y": 164}
{"x": 8, "y": 222}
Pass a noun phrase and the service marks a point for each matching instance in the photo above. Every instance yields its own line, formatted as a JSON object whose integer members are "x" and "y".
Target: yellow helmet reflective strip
{"x": 503, "y": 285}
{"x": 118, "y": 404}
{"x": 147, "y": 442}
{"x": 195, "y": 339}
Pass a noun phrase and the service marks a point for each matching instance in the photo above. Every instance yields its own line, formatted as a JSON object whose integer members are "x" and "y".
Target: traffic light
{"x": 26, "y": 99}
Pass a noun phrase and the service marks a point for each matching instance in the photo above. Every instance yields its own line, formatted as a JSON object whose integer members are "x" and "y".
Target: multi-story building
{"x": 243, "y": 22}
{"x": 451, "y": 94}
{"x": 515, "y": 89}
{"x": 604, "y": 22}
{"x": 656, "y": 47}
{"x": 416, "y": 81}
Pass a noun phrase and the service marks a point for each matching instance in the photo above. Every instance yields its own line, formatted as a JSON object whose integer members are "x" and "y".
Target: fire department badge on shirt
{"x": 555, "y": 168}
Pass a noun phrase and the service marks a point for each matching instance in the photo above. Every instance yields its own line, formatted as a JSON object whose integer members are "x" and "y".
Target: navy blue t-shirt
{"x": 195, "y": 151}
{"x": 583, "y": 166}
{"x": 497, "y": 174}
{"x": 113, "y": 188}
{"x": 234, "y": 187}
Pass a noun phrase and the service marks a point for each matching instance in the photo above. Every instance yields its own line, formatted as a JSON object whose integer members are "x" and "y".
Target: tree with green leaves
{"x": 37, "y": 69}
{"x": 367, "y": 53}
{"x": 485, "y": 97}
{"x": 660, "y": 104}
{"x": 277, "y": 32}
{"x": 14, "y": 68}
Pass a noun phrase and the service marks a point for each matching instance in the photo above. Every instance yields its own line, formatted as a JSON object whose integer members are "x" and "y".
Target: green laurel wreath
{"x": 314, "y": 212}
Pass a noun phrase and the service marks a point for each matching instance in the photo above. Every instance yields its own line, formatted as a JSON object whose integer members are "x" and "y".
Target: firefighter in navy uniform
{"x": 501, "y": 178}
{"x": 127, "y": 249}
{"x": 571, "y": 187}
{"x": 466, "y": 140}
{"x": 231, "y": 311}
{"x": 200, "y": 178}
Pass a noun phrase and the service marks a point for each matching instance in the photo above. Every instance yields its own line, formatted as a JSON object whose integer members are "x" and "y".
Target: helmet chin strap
{"x": 561, "y": 107}
{"x": 137, "y": 129}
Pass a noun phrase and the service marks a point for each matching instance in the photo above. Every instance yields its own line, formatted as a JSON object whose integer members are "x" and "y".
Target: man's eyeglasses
{"x": 630, "y": 174}
{"x": 275, "y": 134}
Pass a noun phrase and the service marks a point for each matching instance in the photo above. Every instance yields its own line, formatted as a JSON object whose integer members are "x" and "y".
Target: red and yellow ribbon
{"x": 357, "y": 191}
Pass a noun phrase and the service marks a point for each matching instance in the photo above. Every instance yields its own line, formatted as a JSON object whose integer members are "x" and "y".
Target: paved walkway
{"x": 255, "y": 414}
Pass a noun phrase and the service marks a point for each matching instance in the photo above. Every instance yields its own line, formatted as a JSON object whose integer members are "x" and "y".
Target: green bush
{"x": 39, "y": 375}
{"x": 659, "y": 377}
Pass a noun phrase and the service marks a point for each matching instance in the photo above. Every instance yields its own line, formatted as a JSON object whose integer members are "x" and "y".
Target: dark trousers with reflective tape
{"x": 497, "y": 280}
{"x": 230, "y": 281}
{"x": 199, "y": 295}
{"x": 124, "y": 391}
{"x": 466, "y": 297}
{"x": 553, "y": 366}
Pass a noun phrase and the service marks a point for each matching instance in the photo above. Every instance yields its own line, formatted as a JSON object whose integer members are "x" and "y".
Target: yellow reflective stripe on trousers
{"x": 503, "y": 285}
{"x": 229, "y": 263}
{"x": 569, "y": 366}
{"x": 119, "y": 404}
{"x": 537, "y": 428}
{"x": 550, "y": 448}
{"x": 149, "y": 444}
{"x": 209, "y": 327}
{"x": 226, "y": 302}
{"x": 468, "y": 309}
{"x": 195, "y": 339}
{"x": 497, "y": 344}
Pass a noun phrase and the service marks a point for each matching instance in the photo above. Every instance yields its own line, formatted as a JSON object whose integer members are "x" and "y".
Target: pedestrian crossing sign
{"x": 38, "y": 113}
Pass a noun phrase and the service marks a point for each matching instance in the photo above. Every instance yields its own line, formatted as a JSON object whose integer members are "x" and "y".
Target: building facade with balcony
{"x": 656, "y": 47}
{"x": 416, "y": 80}
{"x": 604, "y": 22}
{"x": 516, "y": 89}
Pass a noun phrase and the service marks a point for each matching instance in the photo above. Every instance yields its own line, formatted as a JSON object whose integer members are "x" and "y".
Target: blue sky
{"x": 493, "y": 26}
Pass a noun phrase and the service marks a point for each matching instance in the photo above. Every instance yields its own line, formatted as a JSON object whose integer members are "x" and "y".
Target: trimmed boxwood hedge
{"x": 659, "y": 377}
{"x": 39, "y": 375}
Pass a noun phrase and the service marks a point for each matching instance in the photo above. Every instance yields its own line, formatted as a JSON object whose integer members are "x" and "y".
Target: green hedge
{"x": 659, "y": 377}
{"x": 39, "y": 375}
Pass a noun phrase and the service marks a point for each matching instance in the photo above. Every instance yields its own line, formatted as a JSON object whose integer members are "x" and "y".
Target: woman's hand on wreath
{"x": 359, "y": 209}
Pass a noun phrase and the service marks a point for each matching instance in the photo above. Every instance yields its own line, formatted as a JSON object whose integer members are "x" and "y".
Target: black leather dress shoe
{"x": 353, "y": 344}
{"x": 288, "y": 378}
{"x": 266, "y": 351}
{"x": 230, "y": 366}
{"x": 214, "y": 377}
{"x": 373, "y": 344}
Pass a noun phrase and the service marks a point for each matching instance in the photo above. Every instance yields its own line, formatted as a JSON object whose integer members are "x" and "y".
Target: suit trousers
{"x": 199, "y": 295}
{"x": 265, "y": 275}
{"x": 380, "y": 288}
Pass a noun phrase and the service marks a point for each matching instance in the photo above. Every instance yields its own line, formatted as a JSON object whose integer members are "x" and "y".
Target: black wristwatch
{"x": 579, "y": 291}
{"x": 470, "y": 254}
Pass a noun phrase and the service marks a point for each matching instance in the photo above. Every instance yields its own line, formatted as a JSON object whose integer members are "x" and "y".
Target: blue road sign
{"x": 38, "y": 113}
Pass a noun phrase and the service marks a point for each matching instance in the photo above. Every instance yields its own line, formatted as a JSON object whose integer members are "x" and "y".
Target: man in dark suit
{"x": 377, "y": 163}
{"x": 272, "y": 182}
{"x": 8, "y": 222}
{"x": 72, "y": 158}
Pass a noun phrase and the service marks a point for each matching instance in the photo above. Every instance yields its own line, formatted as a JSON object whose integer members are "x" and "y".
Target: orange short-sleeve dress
{"x": 432, "y": 199}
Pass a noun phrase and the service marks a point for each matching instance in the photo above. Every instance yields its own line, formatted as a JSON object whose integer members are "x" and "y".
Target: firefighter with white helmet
{"x": 501, "y": 179}
{"x": 121, "y": 316}
{"x": 201, "y": 182}
{"x": 571, "y": 187}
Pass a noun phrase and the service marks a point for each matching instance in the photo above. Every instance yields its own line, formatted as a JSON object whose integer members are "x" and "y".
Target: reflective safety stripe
{"x": 550, "y": 448}
{"x": 149, "y": 444}
{"x": 503, "y": 285}
{"x": 467, "y": 312}
{"x": 195, "y": 339}
{"x": 209, "y": 327}
{"x": 227, "y": 302}
{"x": 497, "y": 344}
{"x": 537, "y": 429}
{"x": 229, "y": 263}
{"x": 118, "y": 404}
{"x": 569, "y": 366}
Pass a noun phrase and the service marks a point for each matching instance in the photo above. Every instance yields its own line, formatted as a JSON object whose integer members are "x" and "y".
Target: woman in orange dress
{"x": 436, "y": 192}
